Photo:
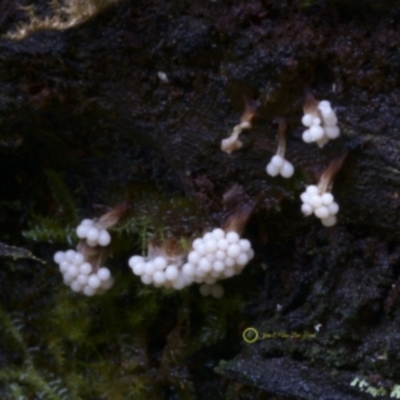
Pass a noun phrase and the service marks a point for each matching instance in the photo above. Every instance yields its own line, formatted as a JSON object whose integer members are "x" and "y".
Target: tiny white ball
{"x": 207, "y": 236}
{"x": 104, "y": 238}
{"x": 233, "y": 250}
{"x": 330, "y": 221}
{"x": 322, "y": 212}
{"x": 78, "y": 259}
{"x": 304, "y": 197}
{"x": 135, "y": 260}
{"x": 146, "y": 279}
{"x": 197, "y": 242}
{"x": 138, "y": 268}
{"x": 306, "y": 209}
{"x": 327, "y": 198}
{"x": 159, "y": 277}
{"x": 188, "y": 269}
{"x": 85, "y": 268}
{"x": 315, "y": 200}
{"x": 193, "y": 257}
{"x": 316, "y": 133}
{"x": 188, "y": 280}
{"x": 210, "y": 257}
{"x": 217, "y": 291}
{"x": 94, "y": 281}
{"x": 149, "y": 268}
{"x": 287, "y": 170}
{"x": 211, "y": 245}
{"x": 307, "y": 120}
{"x": 82, "y": 230}
{"x": 218, "y": 266}
{"x": 87, "y": 222}
{"x": 160, "y": 263}
{"x": 272, "y": 170}
{"x": 229, "y": 262}
{"x": 82, "y": 279}
{"x": 244, "y": 244}
{"x": 220, "y": 255}
{"x": 88, "y": 291}
{"x": 67, "y": 279}
{"x": 332, "y": 132}
{"x": 69, "y": 255}
{"x": 201, "y": 249}
{"x": 199, "y": 273}
{"x": 218, "y": 233}
{"x": 171, "y": 273}
{"x": 277, "y": 160}
{"x": 232, "y": 237}
{"x": 93, "y": 234}
{"x": 103, "y": 273}
{"x": 157, "y": 284}
{"x": 242, "y": 259}
{"x": 76, "y": 286}
{"x": 205, "y": 265}
{"x": 316, "y": 121}
{"x": 72, "y": 271}
{"x": 179, "y": 283}
{"x": 334, "y": 208}
{"x": 312, "y": 189}
{"x": 59, "y": 257}
{"x": 205, "y": 290}
{"x": 223, "y": 244}
{"x": 250, "y": 253}
{"x": 64, "y": 266}
{"x": 306, "y": 136}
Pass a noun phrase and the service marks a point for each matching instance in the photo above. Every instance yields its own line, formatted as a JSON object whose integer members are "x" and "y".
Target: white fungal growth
{"x": 94, "y": 234}
{"x": 318, "y": 199}
{"x": 321, "y": 121}
{"x": 80, "y": 275}
{"x": 322, "y": 205}
{"x": 233, "y": 143}
{"x": 82, "y": 269}
{"x": 215, "y": 256}
{"x": 278, "y": 165}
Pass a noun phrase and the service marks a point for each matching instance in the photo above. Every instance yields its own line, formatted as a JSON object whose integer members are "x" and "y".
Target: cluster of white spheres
{"x": 80, "y": 276}
{"x": 160, "y": 271}
{"x": 321, "y": 124}
{"x": 215, "y": 256}
{"x": 278, "y": 165}
{"x": 323, "y": 205}
{"x": 94, "y": 234}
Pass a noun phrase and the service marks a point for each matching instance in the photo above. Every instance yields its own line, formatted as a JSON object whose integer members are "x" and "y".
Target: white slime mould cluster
{"x": 80, "y": 275}
{"x": 323, "y": 205}
{"x": 321, "y": 122}
{"x": 215, "y": 256}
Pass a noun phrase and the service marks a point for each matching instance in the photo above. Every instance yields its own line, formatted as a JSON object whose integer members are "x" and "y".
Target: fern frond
{"x": 49, "y": 230}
